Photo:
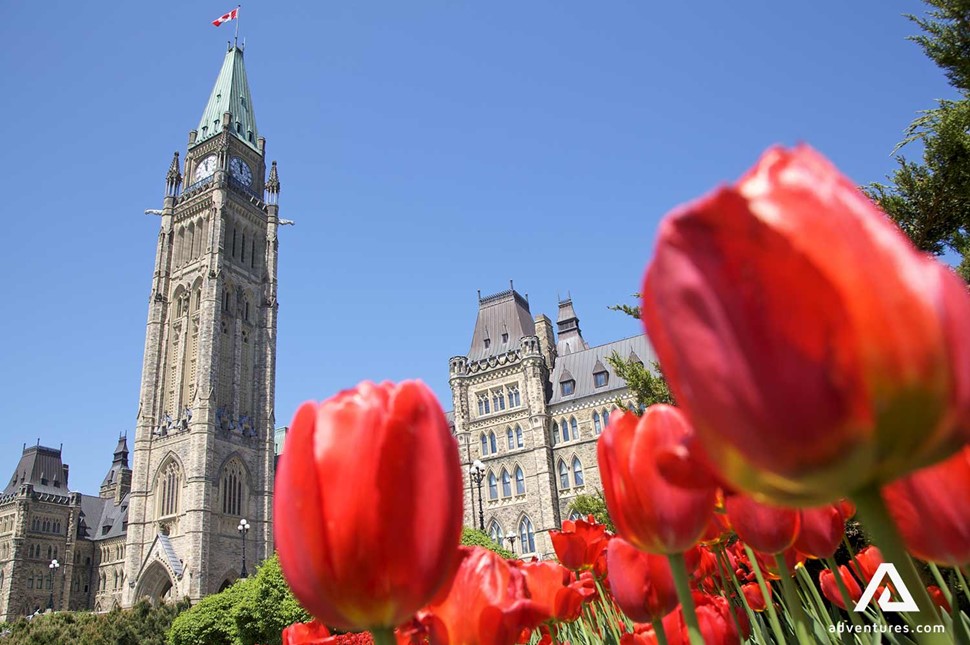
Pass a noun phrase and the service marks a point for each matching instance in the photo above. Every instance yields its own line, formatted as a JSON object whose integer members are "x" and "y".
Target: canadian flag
{"x": 226, "y": 17}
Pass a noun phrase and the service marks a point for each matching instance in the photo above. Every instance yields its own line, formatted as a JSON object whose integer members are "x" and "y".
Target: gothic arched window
{"x": 495, "y": 532}
{"x": 527, "y": 536}
{"x": 577, "y": 472}
{"x": 168, "y": 488}
{"x": 574, "y": 427}
{"x": 565, "y": 430}
{"x": 484, "y": 444}
{"x": 563, "y": 475}
{"x": 518, "y": 436}
{"x": 506, "y": 484}
{"x": 509, "y": 438}
{"x": 597, "y": 428}
{"x": 519, "y": 481}
{"x": 492, "y": 486}
{"x": 492, "y": 442}
{"x": 232, "y": 491}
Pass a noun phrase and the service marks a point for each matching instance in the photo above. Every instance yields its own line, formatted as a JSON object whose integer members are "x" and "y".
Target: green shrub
{"x": 475, "y": 537}
{"x": 253, "y": 610}
{"x": 143, "y": 624}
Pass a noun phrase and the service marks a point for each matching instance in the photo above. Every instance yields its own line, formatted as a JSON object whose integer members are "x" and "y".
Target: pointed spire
{"x": 174, "y": 177}
{"x": 121, "y": 451}
{"x": 567, "y": 323}
{"x": 273, "y": 186}
{"x": 230, "y": 94}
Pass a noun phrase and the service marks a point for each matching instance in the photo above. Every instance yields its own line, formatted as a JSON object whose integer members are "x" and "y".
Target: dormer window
{"x": 600, "y": 379}
{"x": 488, "y": 342}
{"x": 568, "y": 387}
{"x": 505, "y": 337}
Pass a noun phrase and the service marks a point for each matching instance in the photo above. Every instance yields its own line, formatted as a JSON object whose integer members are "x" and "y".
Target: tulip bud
{"x": 814, "y": 350}
{"x": 368, "y": 505}
{"x": 650, "y": 512}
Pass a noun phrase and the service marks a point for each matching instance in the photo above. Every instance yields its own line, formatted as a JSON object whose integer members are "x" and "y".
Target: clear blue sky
{"x": 426, "y": 149}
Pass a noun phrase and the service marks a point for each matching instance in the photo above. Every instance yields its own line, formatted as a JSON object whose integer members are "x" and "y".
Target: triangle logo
{"x": 885, "y": 602}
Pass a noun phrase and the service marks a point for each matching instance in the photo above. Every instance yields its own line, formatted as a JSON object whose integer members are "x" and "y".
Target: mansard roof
{"x": 102, "y": 519}
{"x": 230, "y": 94}
{"x": 583, "y": 364}
{"x": 42, "y": 467}
{"x": 501, "y": 315}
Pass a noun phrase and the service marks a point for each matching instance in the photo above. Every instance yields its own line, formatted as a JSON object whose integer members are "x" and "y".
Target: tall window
{"x": 484, "y": 445}
{"x": 495, "y": 532}
{"x": 565, "y": 430}
{"x": 597, "y": 428}
{"x": 527, "y": 536}
{"x": 514, "y": 400}
{"x": 555, "y": 433}
{"x": 169, "y": 483}
{"x": 509, "y": 437}
{"x": 577, "y": 471}
{"x": 518, "y": 436}
{"x": 232, "y": 488}
{"x": 563, "y": 475}
{"x": 519, "y": 481}
{"x": 574, "y": 427}
{"x": 492, "y": 486}
{"x": 498, "y": 400}
{"x": 492, "y": 442}
{"x": 506, "y": 484}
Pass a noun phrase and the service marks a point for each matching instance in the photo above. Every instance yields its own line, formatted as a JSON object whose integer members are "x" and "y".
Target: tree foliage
{"x": 647, "y": 384}
{"x": 476, "y": 537}
{"x": 595, "y": 505}
{"x": 143, "y": 624}
{"x": 930, "y": 199}
{"x": 253, "y": 610}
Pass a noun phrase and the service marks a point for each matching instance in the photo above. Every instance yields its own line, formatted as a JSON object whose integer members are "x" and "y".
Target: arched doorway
{"x": 155, "y": 584}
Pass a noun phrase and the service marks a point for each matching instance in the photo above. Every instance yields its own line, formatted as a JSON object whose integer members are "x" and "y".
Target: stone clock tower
{"x": 203, "y": 450}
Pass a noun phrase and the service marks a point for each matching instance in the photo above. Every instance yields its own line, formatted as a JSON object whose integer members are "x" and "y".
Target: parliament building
{"x": 530, "y": 399}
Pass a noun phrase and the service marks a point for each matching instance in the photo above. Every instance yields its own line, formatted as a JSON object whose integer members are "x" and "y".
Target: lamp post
{"x": 511, "y": 540}
{"x": 477, "y": 473}
{"x": 243, "y": 529}
{"x": 53, "y": 567}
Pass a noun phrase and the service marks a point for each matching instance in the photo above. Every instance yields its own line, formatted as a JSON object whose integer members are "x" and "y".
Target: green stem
{"x": 945, "y": 588}
{"x": 769, "y": 603}
{"x": 846, "y": 598}
{"x": 963, "y": 583}
{"x": 876, "y": 518}
{"x": 658, "y": 630}
{"x": 819, "y": 609}
{"x": 679, "y": 570}
{"x": 383, "y": 636}
{"x": 794, "y": 602}
{"x": 721, "y": 555}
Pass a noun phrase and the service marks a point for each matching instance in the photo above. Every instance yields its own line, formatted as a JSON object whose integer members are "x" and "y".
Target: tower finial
{"x": 173, "y": 179}
{"x": 273, "y": 185}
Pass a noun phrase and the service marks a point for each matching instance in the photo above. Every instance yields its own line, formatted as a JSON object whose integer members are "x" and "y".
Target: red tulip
{"x": 555, "y": 590}
{"x": 487, "y": 603}
{"x": 938, "y": 598}
{"x": 820, "y": 531}
{"x": 866, "y": 562}
{"x": 368, "y": 506}
{"x": 813, "y": 348}
{"x": 830, "y": 588}
{"x": 650, "y": 512}
{"x": 714, "y": 619}
{"x": 756, "y": 599}
{"x": 930, "y": 510}
{"x": 580, "y": 543}
{"x": 642, "y": 583}
{"x": 769, "y": 529}
{"x": 311, "y": 633}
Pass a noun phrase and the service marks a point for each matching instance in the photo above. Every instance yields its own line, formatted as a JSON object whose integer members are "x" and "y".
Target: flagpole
{"x": 235, "y": 38}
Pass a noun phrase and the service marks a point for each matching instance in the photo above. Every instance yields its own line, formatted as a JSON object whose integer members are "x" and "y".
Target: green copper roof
{"x": 230, "y": 94}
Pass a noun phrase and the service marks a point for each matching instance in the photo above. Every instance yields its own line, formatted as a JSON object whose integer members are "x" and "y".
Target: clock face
{"x": 205, "y": 168}
{"x": 240, "y": 171}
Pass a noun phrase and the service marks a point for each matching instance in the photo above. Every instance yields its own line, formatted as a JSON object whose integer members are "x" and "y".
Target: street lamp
{"x": 511, "y": 540}
{"x": 477, "y": 473}
{"x": 243, "y": 529}
{"x": 53, "y": 567}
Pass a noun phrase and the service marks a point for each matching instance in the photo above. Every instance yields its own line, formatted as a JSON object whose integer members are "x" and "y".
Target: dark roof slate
{"x": 583, "y": 364}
